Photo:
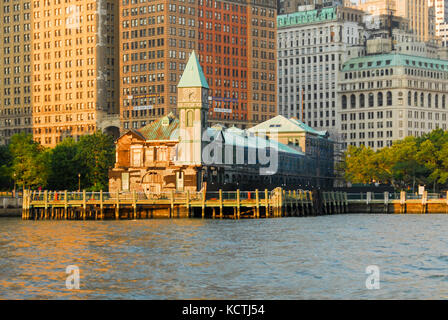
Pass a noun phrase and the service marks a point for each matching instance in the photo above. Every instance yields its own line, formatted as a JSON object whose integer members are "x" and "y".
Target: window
{"x": 344, "y": 102}
{"x": 370, "y": 99}
{"x": 389, "y": 98}
{"x": 380, "y": 99}
{"x": 361, "y": 100}
{"x": 189, "y": 118}
{"x": 352, "y": 101}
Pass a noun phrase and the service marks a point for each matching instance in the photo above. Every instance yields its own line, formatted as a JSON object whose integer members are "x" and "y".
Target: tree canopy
{"x": 405, "y": 164}
{"x": 31, "y": 165}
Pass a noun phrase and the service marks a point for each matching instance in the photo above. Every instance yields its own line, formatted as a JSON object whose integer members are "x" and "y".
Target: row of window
{"x": 361, "y": 103}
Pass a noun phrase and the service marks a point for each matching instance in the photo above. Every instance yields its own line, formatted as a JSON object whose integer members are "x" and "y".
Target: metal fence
{"x": 392, "y": 196}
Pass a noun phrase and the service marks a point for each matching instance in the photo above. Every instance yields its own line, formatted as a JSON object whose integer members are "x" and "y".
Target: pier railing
{"x": 375, "y": 196}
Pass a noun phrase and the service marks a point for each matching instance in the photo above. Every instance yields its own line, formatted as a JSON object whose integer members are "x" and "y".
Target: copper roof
{"x": 161, "y": 129}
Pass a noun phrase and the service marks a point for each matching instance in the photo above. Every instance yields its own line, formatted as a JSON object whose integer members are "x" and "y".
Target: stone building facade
{"x": 312, "y": 46}
{"x": 185, "y": 154}
{"x": 387, "y": 97}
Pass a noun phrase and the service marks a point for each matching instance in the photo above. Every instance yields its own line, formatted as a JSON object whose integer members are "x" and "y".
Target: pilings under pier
{"x": 63, "y": 205}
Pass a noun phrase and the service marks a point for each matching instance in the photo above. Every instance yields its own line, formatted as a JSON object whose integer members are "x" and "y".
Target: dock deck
{"x": 222, "y": 204}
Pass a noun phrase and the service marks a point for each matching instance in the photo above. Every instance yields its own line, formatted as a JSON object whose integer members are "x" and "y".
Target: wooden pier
{"x": 63, "y": 205}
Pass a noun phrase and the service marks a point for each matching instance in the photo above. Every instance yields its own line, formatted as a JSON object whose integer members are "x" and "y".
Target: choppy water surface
{"x": 286, "y": 258}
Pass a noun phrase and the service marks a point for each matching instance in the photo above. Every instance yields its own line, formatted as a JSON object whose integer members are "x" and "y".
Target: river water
{"x": 286, "y": 258}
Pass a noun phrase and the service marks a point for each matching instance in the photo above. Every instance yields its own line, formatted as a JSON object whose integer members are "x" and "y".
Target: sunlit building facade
{"x": 235, "y": 42}
{"x": 15, "y": 65}
{"x": 74, "y": 67}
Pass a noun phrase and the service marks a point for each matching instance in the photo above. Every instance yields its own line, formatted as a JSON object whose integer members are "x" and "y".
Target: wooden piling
{"x": 134, "y": 204}
{"x": 171, "y": 204}
{"x": 101, "y": 205}
{"x": 46, "y": 202}
{"x": 257, "y": 200}
{"x": 187, "y": 204}
{"x": 221, "y": 213}
{"x": 84, "y": 204}
{"x": 203, "y": 195}
{"x": 403, "y": 202}
{"x": 266, "y": 202}
{"x": 238, "y": 204}
{"x": 117, "y": 206}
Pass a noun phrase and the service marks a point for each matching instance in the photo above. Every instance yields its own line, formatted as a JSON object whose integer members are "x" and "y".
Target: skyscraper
{"x": 416, "y": 11}
{"x": 312, "y": 46}
{"x": 15, "y": 65}
{"x": 441, "y": 19}
{"x": 236, "y": 46}
{"x": 74, "y": 67}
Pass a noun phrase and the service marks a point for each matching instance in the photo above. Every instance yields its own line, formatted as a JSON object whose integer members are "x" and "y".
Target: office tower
{"x": 291, "y": 6}
{"x": 236, "y": 46}
{"x": 15, "y": 65}
{"x": 312, "y": 45}
{"x": 415, "y": 11}
{"x": 74, "y": 67}
{"x": 441, "y": 20}
{"x": 387, "y": 97}
{"x": 441, "y": 13}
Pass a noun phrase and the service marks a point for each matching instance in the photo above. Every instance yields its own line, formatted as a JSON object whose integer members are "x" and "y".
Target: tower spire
{"x": 193, "y": 75}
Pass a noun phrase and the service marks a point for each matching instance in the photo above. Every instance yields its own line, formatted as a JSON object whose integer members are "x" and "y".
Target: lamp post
{"x": 14, "y": 184}
{"x": 79, "y": 182}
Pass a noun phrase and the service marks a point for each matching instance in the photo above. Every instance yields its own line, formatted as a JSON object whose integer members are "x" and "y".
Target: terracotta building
{"x": 185, "y": 154}
{"x": 236, "y": 45}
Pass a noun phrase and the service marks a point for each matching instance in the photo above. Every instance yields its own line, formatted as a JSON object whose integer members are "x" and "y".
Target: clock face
{"x": 191, "y": 94}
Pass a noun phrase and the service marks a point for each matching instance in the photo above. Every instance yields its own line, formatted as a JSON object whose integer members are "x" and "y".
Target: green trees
{"x": 64, "y": 166}
{"x": 33, "y": 166}
{"x": 405, "y": 164}
{"x": 96, "y": 154}
{"x": 5, "y": 168}
{"x": 29, "y": 166}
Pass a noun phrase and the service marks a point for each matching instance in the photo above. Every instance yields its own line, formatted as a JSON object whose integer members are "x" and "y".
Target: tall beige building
{"x": 74, "y": 67}
{"x": 441, "y": 20}
{"x": 416, "y": 11}
{"x": 15, "y": 65}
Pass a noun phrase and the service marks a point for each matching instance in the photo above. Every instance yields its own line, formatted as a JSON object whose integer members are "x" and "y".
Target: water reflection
{"x": 288, "y": 258}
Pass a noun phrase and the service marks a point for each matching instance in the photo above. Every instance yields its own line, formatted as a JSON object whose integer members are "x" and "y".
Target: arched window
{"x": 352, "y": 101}
{"x": 380, "y": 99}
{"x": 189, "y": 118}
{"x": 429, "y": 100}
{"x": 443, "y": 101}
{"x": 344, "y": 102}
{"x": 389, "y": 98}
{"x": 362, "y": 102}
{"x": 409, "y": 98}
{"x": 370, "y": 99}
{"x": 422, "y": 100}
{"x": 415, "y": 99}
{"x": 436, "y": 100}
